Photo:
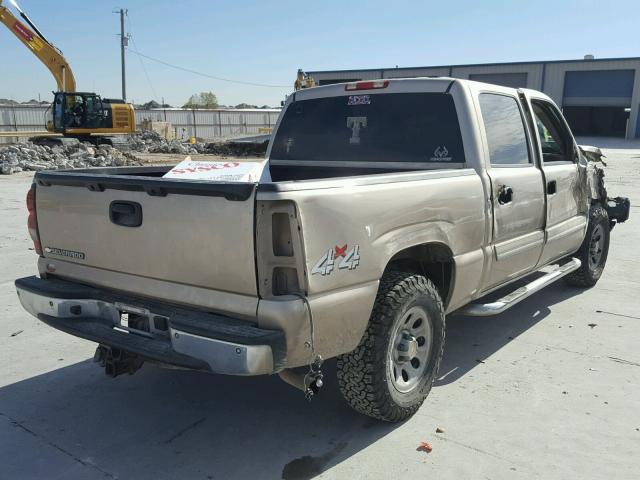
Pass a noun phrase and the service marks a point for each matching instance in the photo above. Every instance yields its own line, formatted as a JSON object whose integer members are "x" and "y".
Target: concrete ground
{"x": 549, "y": 389}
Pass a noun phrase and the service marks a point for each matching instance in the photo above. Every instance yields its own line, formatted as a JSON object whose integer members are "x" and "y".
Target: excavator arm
{"x": 49, "y": 55}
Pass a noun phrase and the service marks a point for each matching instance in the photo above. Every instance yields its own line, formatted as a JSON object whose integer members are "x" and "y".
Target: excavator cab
{"x": 73, "y": 111}
{"x": 303, "y": 80}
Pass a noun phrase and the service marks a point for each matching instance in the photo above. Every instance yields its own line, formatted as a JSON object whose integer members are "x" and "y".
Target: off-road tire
{"x": 363, "y": 375}
{"x": 588, "y": 274}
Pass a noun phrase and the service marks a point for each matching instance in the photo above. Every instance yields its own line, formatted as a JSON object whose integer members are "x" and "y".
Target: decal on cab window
{"x": 359, "y": 100}
{"x": 347, "y": 259}
{"x": 355, "y": 124}
{"x": 441, "y": 154}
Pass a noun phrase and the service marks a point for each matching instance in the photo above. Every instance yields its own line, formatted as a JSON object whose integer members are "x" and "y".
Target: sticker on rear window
{"x": 359, "y": 100}
{"x": 441, "y": 154}
{"x": 355, "y": 124}
{"x": 289, "y": 144}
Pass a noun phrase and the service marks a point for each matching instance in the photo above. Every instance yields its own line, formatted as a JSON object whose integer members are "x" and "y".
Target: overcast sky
{"x": 266, "y": 41}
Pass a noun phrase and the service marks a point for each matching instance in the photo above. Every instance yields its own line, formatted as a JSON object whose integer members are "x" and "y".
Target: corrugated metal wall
{"x": 22, "y": 118}
{"x": 533, "y": 72}
{"x": 345, "y": 76}
{"x": 513, "y": 80}
{"x": 209, "y": 124}
{"x": 206, "y": 124}
{"x": 415, "y": 72}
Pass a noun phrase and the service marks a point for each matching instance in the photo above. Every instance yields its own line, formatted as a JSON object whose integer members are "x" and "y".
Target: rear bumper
{"x": 187, "y": 338}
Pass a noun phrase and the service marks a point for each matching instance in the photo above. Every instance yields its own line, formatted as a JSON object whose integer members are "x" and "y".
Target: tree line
{"x": 202, "y": 100}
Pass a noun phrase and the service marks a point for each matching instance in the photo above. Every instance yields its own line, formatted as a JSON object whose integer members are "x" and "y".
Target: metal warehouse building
{"x": 599, "y": 97}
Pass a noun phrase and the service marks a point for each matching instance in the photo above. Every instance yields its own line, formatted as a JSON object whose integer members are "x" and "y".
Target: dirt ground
{"x": 549, "y": 389}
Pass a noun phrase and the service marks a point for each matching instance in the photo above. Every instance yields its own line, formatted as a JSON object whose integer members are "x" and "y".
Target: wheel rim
{"x": 596, "y": 247}
{"x": 410, "y": 349}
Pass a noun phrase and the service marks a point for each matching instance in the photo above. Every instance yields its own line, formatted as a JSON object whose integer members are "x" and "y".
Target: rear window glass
{"x": 399, "y": 127}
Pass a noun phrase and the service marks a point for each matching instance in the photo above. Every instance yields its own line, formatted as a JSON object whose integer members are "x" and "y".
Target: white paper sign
{"x": 225, "y": 171}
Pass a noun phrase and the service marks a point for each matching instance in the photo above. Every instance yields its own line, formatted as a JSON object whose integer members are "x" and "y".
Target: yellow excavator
{"x": 303, "y": 80}
{"x": 74, "y": 114}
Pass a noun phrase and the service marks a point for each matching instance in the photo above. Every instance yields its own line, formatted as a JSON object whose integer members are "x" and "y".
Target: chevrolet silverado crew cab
{"x": 391, "y": 204}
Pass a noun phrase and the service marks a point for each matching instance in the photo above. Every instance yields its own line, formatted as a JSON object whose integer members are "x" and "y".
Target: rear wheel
{"x": 391, "y": 372}
{"x": 594, "y": 250}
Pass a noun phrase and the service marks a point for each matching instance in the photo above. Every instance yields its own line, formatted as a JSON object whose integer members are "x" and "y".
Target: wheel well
{"x": 433, "y": 260}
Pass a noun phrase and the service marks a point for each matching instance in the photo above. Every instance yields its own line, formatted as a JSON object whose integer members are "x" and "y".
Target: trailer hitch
{"x": 117, "y": 361}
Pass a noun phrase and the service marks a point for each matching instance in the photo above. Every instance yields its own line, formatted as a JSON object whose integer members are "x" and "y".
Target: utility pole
{"x": 124, "y": 41}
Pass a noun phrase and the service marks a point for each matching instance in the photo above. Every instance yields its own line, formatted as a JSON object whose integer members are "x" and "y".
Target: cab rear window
{"x": 392, "y": 127}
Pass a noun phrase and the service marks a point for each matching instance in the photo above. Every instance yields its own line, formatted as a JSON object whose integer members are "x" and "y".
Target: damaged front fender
{"x": 593, "y": 181}
{"x": 592, "y": 173}
{"x": 593, "y": 154}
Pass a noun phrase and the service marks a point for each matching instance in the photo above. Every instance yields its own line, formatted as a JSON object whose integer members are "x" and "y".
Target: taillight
{"x": 369, "y": 85}
{"x": 279, "y": 249}
{"x": 32, "y": 221}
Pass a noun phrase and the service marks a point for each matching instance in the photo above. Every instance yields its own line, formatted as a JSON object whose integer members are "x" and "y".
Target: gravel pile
{"x": 29, "y": 156}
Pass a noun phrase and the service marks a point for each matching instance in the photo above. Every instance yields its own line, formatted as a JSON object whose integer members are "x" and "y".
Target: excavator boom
{"x": 49, "y": 55}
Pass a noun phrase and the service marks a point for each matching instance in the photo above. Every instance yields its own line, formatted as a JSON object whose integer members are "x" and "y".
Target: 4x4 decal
{"x": 349, "y": 260}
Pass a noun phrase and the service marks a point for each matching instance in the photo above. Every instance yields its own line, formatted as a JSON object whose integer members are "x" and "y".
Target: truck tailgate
{"x": 191, "y": 233}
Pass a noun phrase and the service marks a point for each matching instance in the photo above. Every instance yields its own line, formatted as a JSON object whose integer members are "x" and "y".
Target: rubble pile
{"x": 237, "y": 149}
{"x": 153, "y": 142}
{"x": 75, "y": 154}
{"x": 29, "y": 156}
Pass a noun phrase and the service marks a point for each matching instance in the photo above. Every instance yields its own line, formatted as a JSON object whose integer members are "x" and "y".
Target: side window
{"x": 555, "y": 140}
{"x": 57, "y": 112}
{"x": 504, "y": 126}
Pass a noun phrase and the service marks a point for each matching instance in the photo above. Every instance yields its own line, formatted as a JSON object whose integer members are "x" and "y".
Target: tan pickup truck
{"x": 391, "y": 204}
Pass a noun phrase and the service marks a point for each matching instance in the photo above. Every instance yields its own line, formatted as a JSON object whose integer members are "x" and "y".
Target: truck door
{"x": 517, "y": 194}
{"x": 566, "y": 218}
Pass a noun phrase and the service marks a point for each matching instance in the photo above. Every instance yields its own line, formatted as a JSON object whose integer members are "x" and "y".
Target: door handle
{"x": 505, "y": 194}
{"x": 125, "y": 214}
{"x": 552, "y": 187}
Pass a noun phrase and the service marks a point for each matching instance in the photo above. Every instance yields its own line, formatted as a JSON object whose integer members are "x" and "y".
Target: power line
{"x": 144, "y": 68}
{"x": 206, "y": 75}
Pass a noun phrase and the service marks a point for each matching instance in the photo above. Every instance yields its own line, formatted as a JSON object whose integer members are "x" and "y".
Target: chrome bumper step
{"x": 515, "y": 297}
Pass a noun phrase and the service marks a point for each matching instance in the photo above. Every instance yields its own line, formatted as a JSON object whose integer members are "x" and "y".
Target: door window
{"x": 504, "y": 126}
{"x": 76, "y": 112}
{"x": 94, "y": 111}
{"x": 58, "y": 112}
{"x": 555, "y": 139}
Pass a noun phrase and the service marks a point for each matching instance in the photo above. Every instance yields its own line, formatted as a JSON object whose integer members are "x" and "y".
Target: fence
{"x": 210, "y": 124}
{"x": 205, "y": 124}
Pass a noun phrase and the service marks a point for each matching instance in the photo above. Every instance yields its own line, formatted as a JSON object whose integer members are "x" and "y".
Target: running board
{"x": 508, "y": 301}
